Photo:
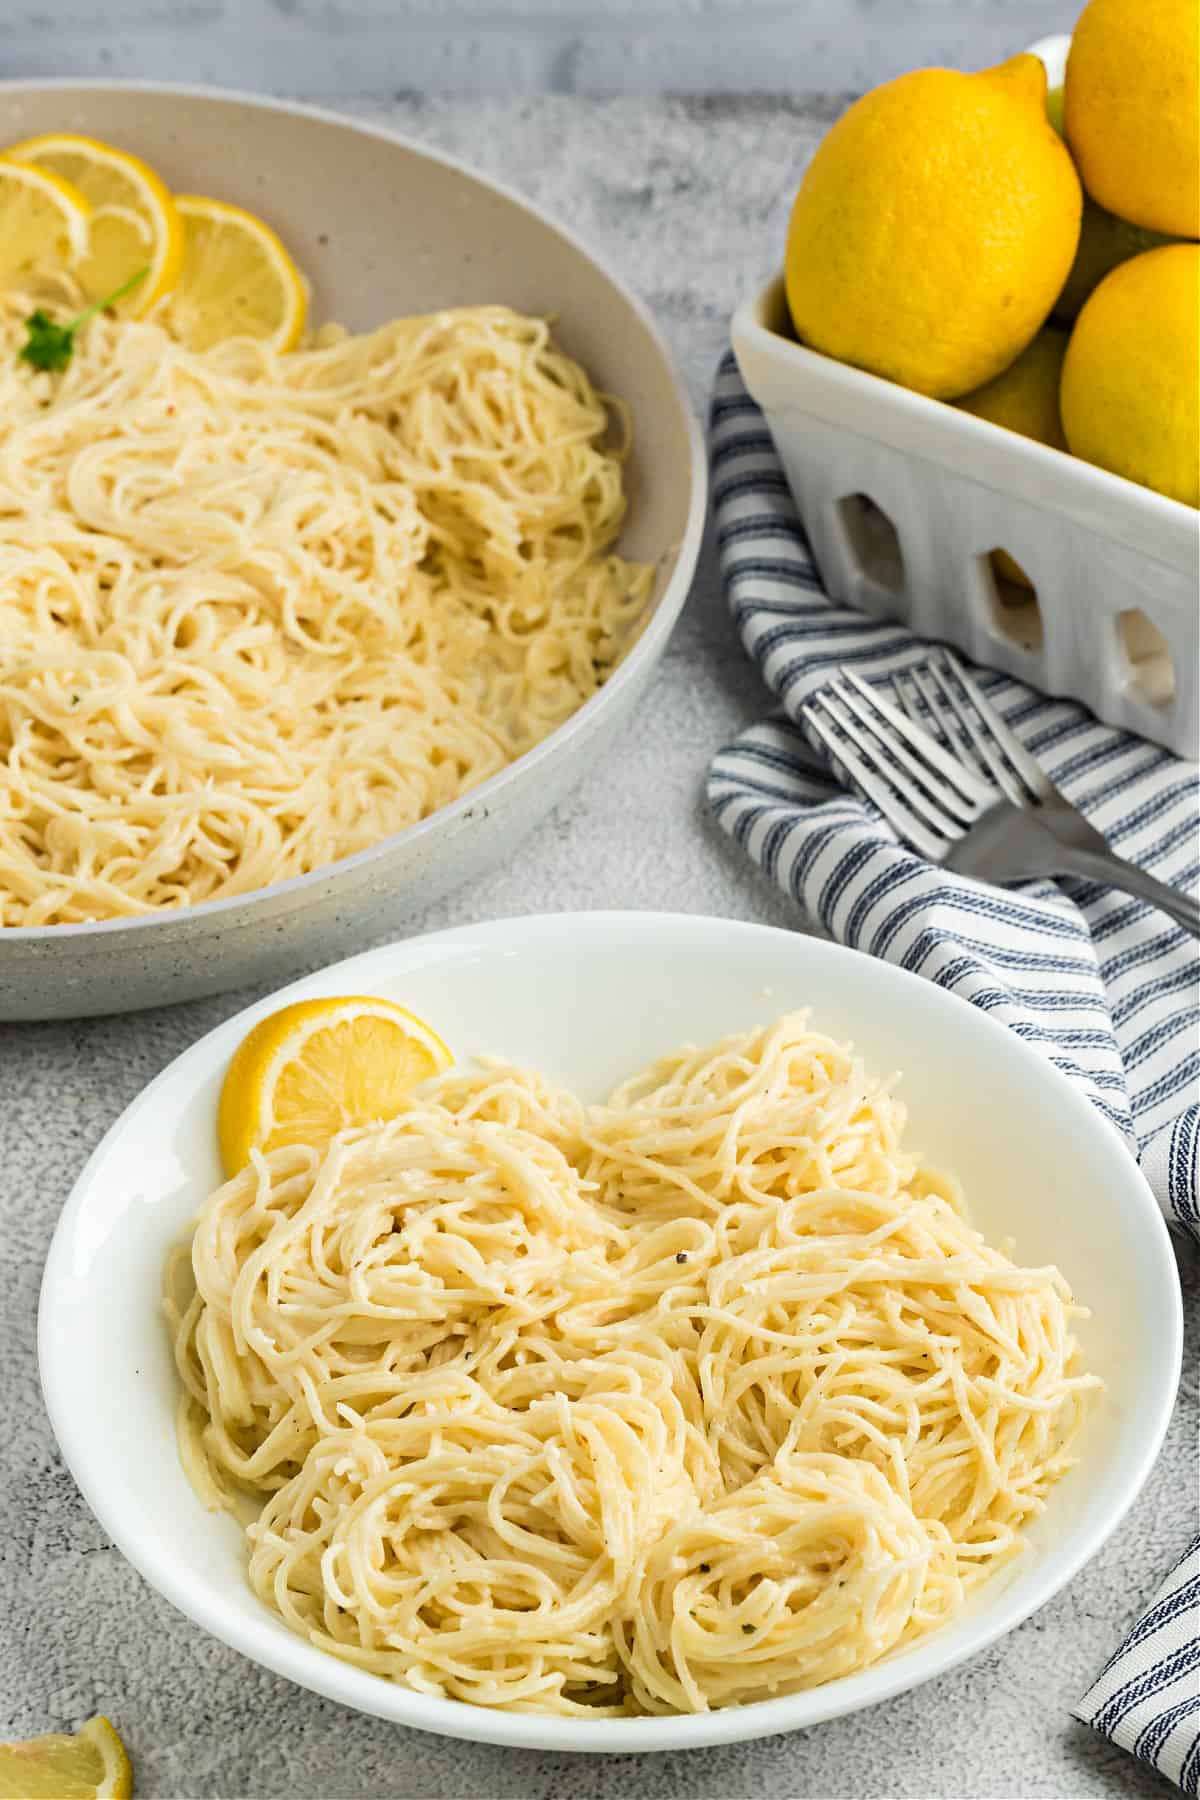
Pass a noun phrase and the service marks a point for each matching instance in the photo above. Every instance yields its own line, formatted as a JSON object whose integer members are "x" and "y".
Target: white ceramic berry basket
{"x": 906, "y": 499}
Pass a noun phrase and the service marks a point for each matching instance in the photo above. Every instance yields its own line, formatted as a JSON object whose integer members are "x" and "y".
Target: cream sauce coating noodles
{"x": 699, "y": 1396}
{"x": 259, "y": 611}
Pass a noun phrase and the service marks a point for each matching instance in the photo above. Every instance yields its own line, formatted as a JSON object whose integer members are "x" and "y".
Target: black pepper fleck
{"x": 705, "y": 1568}
{"x": 681, "y": 1256}
{"x": 748, "y": 1629}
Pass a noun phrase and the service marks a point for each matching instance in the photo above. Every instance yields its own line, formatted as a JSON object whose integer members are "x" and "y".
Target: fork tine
{"x": 937, "y": 714}
{"x": 903, "y": 697}
{"x": 907, "y": 807}
{"x": 905, "y": 771}
{"x": 913, "y": 692}
{"x": 965, "y": 787}
{"x": 905, "y": 823}
{"x": 985, "y": 751}
{"x": 1025, "y": 766}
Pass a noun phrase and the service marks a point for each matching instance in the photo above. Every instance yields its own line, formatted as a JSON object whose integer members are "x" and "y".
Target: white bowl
{"x": 589, "y": 997}
{"x": 382, "y": 226}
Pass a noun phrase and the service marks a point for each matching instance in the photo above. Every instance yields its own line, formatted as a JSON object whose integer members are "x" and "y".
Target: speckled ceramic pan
{"x": 381, "y": 227}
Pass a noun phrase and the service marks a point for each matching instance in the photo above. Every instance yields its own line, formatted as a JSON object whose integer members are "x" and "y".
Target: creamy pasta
{"x": 702, "y": 1395}
{"x": 260, "y": 610}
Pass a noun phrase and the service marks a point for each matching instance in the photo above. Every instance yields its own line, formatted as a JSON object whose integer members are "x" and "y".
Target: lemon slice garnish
{"x": 43, "y": 222}
{"x": 237, "y": 279}
{"x": 91, "y": 1765}
{"x": 318, "y": 1066}
{"x": 134, "y": 224}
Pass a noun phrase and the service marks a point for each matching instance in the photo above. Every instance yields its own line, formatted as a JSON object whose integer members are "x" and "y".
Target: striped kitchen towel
{"x": 1147, "y": 1696}
{"x": 1103, "y": 985}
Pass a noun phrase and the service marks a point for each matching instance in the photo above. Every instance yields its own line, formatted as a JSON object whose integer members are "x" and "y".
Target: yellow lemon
{"x": 1132, "y": 110}
{"x": 1130, "y": 393}
{"x": 1104, "y": 241}
{"x": 1024, "y": 397}
{"x": 91, "y": 1765}
{"x": 133, "y": 223}
{"x": 43, "y": 223}
{"x": 237, "y": 279}
{"x": 318, "y": 1066}
{"x": 934, "y": 228}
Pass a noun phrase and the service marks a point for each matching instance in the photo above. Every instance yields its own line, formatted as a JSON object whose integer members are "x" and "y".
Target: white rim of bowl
{"x": 645, "y": 647}
{"x": 309, "y": 1667}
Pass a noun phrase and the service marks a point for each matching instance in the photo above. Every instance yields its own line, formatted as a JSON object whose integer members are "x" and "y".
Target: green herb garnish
{"x": 49, "y": 345}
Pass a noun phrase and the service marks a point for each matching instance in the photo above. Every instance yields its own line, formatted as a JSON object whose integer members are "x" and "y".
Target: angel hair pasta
{"x": 703, "y": 1395}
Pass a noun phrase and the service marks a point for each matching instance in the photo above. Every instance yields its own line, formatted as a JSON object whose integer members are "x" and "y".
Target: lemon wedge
{"x": 43, "y": 222}
{"x": 237, "y": 279}
{"x": 134, "y": 224}
{"x": 318, "y": 1066}
{"x": 91, "y": 1765}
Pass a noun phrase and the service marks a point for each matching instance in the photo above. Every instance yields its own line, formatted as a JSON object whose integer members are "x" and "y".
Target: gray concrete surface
{"x": 518, "y": 46}
{"x": 688, "y": 200}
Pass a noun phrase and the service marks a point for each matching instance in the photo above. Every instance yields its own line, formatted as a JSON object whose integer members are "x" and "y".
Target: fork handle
{"x": 1115, "y": 872}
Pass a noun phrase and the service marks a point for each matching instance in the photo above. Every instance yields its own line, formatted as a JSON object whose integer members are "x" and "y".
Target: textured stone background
{"x": 687, "y": 199}
{"x": 519, "y": 46}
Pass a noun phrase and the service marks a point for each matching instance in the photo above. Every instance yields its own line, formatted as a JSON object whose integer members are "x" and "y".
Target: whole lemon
{"x": 1132, "y": 110}
{"x": 1130, "y": 394}
{"x": 1104, "y": 241}
{"x": 934, "y": 228}
{"x": 1024, "y": 397}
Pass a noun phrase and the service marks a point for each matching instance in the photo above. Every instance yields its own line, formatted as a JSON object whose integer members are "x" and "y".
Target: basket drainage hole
{"x": 873, "y": 540}
{"x": 1012, "y": 600}
{"x": 1147, "y": 657}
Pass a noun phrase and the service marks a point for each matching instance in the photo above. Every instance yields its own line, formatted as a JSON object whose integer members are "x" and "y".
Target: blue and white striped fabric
{"x": 1103, "y": 985}
{"x": 1147, "y": 1696}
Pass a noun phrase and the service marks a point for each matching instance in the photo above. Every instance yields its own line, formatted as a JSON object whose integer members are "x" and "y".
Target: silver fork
{"x": 998, "y": 817}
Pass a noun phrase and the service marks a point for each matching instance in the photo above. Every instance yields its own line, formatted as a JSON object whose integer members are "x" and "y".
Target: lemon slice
{"x": 133, "y": 225}
{"x": 43, "y": 222}
{"x": 318, "y": 1066}
{"x": 89, "y": 1766}
{"x": 237, "y": 279}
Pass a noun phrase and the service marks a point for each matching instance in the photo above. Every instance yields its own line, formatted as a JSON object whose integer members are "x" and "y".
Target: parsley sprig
{"x": 49, "y": 345}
